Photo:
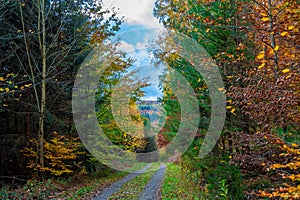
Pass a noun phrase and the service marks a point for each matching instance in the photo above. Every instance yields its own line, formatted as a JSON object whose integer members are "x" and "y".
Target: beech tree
{"x": 255, "y": 44}
{"x": 271, "y": 95}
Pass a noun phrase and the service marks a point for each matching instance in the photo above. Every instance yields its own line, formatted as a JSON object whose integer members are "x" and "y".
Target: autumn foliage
{"x": 271, "y": 96}
{"x": 255, "y": 43}
{"x": 60, "y": 151}
{"x": 270, "y": 92}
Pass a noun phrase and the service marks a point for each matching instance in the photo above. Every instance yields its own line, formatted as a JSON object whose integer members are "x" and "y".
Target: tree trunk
{"x": 41, "y": 132}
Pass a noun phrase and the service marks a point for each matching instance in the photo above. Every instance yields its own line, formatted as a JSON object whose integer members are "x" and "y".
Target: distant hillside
{"x": 151, "y": 110}
{"x": 155, "y": 113}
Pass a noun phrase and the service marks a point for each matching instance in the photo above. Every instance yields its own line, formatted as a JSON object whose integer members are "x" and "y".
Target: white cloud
{"x": 124, "y": 46}
{"x": 141, "y": 45}
{"x": 149, "y": 98}
{"x": 138, "y": 51}
{"x": 135, "y": 42}
{"x": 135, "y": 11}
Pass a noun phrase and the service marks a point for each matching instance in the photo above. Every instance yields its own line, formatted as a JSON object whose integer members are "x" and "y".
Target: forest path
{"x": 149, "y": 191}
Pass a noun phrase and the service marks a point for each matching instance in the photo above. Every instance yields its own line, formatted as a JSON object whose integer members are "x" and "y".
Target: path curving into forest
{"x": 150, "y": 190}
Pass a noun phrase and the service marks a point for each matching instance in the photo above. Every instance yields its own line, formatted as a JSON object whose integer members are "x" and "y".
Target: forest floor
{"x": 142, "y": 184}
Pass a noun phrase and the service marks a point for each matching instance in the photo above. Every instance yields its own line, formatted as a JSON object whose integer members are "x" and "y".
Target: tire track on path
{"x": 117, "y": 185}
{"x": 150, "y": 190}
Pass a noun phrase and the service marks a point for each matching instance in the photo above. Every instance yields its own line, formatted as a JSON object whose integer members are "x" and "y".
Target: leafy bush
{"x": 214, "y": 175}
{"x": 60, "y": 153}
{"x": 225, "y": 181}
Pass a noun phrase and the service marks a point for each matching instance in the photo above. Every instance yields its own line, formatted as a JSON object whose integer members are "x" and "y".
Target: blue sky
{"x": 138, "y": 30}
{"x": 134, "y": 41}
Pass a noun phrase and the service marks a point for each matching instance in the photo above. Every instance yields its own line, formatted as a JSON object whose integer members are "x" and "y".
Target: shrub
{"x": 60, "y": 153}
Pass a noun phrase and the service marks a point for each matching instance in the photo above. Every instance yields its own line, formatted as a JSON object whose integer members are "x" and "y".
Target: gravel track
{"x": 117, "y": 185}
{"x": 150, "y": 190}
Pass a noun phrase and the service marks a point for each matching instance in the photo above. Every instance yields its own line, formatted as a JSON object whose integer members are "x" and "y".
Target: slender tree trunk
{"x": 40, "y": 104}
{"x": 41, "y": 132}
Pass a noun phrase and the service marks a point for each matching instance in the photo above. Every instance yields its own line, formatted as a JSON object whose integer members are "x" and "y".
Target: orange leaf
{"x": 261, "y": 55}
{"x": 294, "y": 145}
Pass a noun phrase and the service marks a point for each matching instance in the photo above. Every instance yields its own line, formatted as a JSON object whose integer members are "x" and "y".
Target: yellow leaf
{"x": 11, "y": 74}
{"x": 287, "y": 77}
{"x": 284, "y": 33}
{"x": 207, "y": 30}
{"x": 232, "y": 111}
{"x": 291, "y": 27}
{"x": 285, "y": 70}
{"x": 229, "y": 77}
{"x": 220, "y": 89}
{"x": 276, "y": 48}
{"x": 265, "y": 19}
{"x": 7, "y": 89}
{"x": 28, "y": 85}
{"x": 2, "y": 79}
{"x": 261, "y": 55}
{"x": 263, "y": 14}
{"x": 1, "y": 90}
{"x": 261, "y": 66}
{"x": 229, "y": 107}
